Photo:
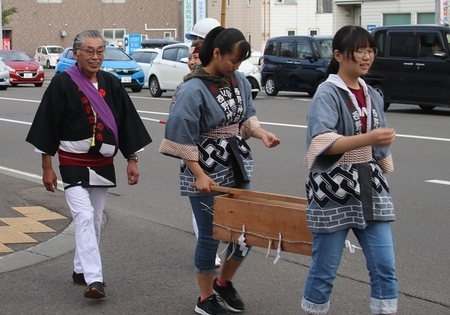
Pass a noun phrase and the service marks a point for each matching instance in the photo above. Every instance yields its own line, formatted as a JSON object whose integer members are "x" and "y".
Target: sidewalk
{"x": 31, "y": 233}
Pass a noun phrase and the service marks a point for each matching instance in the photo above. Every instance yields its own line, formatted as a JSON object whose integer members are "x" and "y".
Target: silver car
{"x": 4, "y": 76}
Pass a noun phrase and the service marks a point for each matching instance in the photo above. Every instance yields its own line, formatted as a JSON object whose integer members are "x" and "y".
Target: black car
{"x": 157, "y": 42}
{"x": 409, "y": 69}
{"x": 295, "y": 63}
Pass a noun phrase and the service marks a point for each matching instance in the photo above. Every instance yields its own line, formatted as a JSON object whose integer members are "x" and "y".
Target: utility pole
{"x": 437, "y": 11}
{"x": 223, "y": 13}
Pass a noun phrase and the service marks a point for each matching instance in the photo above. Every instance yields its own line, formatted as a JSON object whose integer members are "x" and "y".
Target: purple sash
{"x": 96, "y": 100}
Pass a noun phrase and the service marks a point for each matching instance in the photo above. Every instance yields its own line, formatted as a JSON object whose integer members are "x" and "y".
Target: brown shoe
{"x": 95, "y": 291}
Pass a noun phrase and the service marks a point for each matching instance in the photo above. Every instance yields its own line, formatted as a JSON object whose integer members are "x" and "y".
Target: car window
{"x": 183, "y": 52}
{"x": 325, "y": 48}
{"x": 303, "y": 49}
{"x": 116, "y": 54}
{"x": 271, "y": 48}
{"x": 286, "y": 49}
{"x": 148, "y": 56}
{"x": 39, "y": 50}
{"x": 402, "y": 45}
{"x": 69, "y": 54}
{"x": 380, "y": 40}
{"x": 137, "y": 55}
{"x": 15, "y": 56}
{"x": 170, "y": 54}
{"x": 55, "y": 50}
{"x": 426, "y": 41}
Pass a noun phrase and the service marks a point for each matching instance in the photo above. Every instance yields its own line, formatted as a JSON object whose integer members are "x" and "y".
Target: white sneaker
{"x": 218, "y": 262}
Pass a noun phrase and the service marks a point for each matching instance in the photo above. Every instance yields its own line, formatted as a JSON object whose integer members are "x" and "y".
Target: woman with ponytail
{"x": 348, "y": 154}
{"x": 211, "y": 118}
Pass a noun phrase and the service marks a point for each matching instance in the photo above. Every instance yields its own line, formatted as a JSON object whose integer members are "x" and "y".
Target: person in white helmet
{"x": 202, "y": 28}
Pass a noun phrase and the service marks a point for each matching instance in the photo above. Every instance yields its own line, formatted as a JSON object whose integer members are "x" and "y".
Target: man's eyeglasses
{"x": 91, "y": 52}
{"x": 371, "y": 52}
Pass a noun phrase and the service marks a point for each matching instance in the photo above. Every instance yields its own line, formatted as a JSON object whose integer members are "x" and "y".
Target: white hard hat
{"x": 202, "y": 28}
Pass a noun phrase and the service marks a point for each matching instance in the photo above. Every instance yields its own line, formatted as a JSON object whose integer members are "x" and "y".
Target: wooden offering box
{"x": 264, "y": 215}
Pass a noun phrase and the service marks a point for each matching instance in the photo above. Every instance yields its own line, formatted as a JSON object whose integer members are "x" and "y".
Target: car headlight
{"x": 40, "y": 68}
{"x": 107, "y": 69}
{"x": 255, "y": 70}
{"x": 4, "y": 69}
{"x": 137, "y": 69}
{"x": 10, "y": 69}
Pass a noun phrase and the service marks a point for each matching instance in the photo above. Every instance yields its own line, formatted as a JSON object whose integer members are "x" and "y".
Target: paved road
{"x": 147, "y": 243}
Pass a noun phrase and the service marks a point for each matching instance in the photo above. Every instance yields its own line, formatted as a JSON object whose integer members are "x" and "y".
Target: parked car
{"x": 144, "y": 57}
{"x": 22, "y": 68}
{"x": 116, "y": 62}
{"x": 256, "y": 57}
{"x": 295, "y": 63}
{"x": 47, "y": 56}
{"x": 408, "y": 69}
{"x": 4, "y": 76}
{"x": 170, "y": 66}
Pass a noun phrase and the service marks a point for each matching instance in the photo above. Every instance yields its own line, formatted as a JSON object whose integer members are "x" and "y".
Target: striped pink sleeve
{"x": 186, "y": 152}
{"x": 319, "y": 144}
{"x": 248, "y": 126}
{"x": 387, "y": 164}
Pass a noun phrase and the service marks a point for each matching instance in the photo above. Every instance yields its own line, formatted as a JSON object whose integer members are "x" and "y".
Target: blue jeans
{"x": 378, "y": 248}
{"x": 205, "y": 252}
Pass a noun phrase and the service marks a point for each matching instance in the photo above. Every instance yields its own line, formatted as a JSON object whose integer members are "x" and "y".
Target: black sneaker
{"x": 95, "y": 291}
{"x": 78, "y": 278}
{"x": 210, "y": 306}
{"x": 230, "y": 297}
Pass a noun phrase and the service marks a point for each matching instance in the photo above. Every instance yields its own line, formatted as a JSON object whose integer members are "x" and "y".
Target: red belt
{"x": 83, "y": 159}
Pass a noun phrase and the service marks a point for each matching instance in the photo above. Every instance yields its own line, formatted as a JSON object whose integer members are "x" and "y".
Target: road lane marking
{"x": 438, "y": 181}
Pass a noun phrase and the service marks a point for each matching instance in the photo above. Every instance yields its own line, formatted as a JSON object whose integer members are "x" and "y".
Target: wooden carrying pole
{"x": 223, "y": 13}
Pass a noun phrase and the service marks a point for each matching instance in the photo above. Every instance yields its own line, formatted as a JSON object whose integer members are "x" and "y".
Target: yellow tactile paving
{"x": 27, "y": 225}
{"x": 5, "y": 249}
{"x": 39, "y": 213}
{"x": 16, "y": 227}
{"x": 10, "y": 235}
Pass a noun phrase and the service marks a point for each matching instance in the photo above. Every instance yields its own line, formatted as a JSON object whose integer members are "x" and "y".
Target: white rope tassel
{"x": 241, "y": 241}
{"x": 278, "y": 250}
{"x": 351, "y": 247}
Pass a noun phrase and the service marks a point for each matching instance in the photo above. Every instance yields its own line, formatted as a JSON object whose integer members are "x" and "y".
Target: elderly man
{"x": 86, "y": 116}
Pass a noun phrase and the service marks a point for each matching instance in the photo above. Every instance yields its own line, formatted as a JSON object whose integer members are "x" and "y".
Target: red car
{"x": 22, "y": 68}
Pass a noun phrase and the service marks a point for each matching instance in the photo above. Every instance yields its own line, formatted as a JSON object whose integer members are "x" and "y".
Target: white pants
{"x": 86, "y": 206}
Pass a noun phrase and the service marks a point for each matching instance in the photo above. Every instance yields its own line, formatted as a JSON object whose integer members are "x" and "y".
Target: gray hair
{"x": 78, "y": 41}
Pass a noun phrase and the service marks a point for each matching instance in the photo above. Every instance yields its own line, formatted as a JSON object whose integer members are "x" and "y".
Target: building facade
{"x": 56, "y": 22}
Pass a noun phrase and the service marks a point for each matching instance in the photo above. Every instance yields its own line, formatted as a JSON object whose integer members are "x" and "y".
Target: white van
{"x": 47, "y": 56}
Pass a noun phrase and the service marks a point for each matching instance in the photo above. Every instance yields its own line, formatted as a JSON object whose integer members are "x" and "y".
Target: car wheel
{"x": 270, "y": 88}
{"x": 427, "y": 107}
{"x": 380, "y": 91}
{"x": 47, "y": 64}
{"x": 254, "y": 85}
{"x": 137, "y": 90}
{"x": 3, "y": 87}
{"x": 38, "y": 84}
{"x": 155, "y": 90}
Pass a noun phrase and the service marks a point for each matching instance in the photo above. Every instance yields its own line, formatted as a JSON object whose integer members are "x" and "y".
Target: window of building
{"x": 324, "y": 6}
{"x": 249, "y": 3}
{"x": 114, "y": 1}
{"x": 291, "y": 32}
{"x": 49, "y": 1}
{"x": 402, "y": 45}
{"x": 396, "y": 18}
{"x": 313, "y": 32}
{"x": 286, "y": 1}
{"x": 114, "y": 34}
{"x": 425, "y": 18}
{"x": 228, "y": 3}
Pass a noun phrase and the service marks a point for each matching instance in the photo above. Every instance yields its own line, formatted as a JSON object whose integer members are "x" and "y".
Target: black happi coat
{"x": 65, "y": 121}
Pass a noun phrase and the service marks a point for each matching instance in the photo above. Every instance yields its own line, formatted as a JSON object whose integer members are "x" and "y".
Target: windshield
{"x": 14, "y": 56}
{"x": 55, "y": 50}
{"x": 116, "y": 54}
{"x": 325, "y": 47}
